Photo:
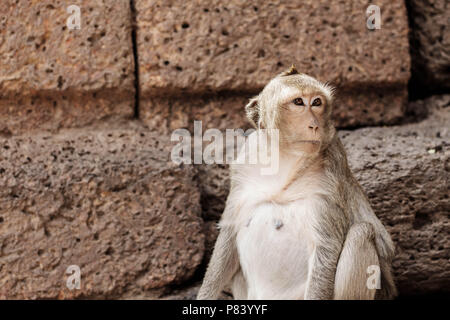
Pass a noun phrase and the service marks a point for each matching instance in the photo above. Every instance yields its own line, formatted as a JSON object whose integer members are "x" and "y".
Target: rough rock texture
{"x": 197, "y": 48}
{"x": 221, "y": 112}
{"x": 430, "y": 39}
{"x": 25, "y": 114}
{"x": 405, "y": 171}
{"x": 44, "y": 64}
{"x": 108, "y": 200}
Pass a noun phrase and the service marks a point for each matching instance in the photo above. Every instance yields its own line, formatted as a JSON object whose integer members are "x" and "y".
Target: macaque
{"x": 306, "y": 231}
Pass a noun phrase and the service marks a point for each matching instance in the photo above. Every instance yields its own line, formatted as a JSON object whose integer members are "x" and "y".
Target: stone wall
{"x": 53, "y": 77}
{"x": 86, "y": 117}
{"x": 430, "y": 50}
{"x": 198, "y": 49}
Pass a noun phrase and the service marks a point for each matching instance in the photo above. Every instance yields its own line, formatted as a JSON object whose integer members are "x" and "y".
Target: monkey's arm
{"x": 331, "y": 228}
{"x": 322, "y": 272}
{"x": 222, "y": 266}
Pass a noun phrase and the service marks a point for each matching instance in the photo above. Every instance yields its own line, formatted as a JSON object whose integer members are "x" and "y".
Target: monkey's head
{"x": 299, "y": 106}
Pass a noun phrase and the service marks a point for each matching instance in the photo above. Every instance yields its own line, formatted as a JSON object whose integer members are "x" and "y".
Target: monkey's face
{"x": 303, "y": 119}
{"x": 299, "y": 106}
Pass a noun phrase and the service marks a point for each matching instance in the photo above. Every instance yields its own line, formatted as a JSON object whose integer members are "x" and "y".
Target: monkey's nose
{"x": 313, "y": 127}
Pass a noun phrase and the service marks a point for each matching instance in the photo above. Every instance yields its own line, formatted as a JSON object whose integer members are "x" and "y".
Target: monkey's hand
{"x": 222, "y": 266}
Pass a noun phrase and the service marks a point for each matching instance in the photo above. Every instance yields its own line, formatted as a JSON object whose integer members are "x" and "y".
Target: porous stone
{"x": 209, "y": 47}
{"x": 26, "y": 114}
{"x": 430, "y": 44}
{"x": 405, "y": 172}
{"x": 168, "y": 114}
{"x": 44, "y": 64}
{"x": 108, "y": 200}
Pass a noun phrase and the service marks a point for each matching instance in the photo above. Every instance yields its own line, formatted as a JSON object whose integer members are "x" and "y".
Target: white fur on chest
{"x": 274, "y": 224}
{"x": 274, "y": 247}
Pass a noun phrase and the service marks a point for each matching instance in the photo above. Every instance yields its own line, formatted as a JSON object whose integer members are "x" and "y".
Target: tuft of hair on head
{"x": 291, "y": 71}
{"x": 329, "y": 89}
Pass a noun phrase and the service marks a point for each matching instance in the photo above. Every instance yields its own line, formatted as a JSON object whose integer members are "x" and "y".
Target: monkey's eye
{"x": 317, "y": 102}
{"x": 298, "y": 102}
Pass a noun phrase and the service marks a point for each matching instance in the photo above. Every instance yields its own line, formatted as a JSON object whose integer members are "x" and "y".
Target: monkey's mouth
{"x": 309, "y": 141}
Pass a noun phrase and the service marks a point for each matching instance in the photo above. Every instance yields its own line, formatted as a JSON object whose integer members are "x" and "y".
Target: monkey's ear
{"x": 252, "y": 111}
{"x": 292, "y": 70}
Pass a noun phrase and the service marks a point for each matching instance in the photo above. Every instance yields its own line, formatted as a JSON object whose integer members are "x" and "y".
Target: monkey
{"x": 308, "y": 231}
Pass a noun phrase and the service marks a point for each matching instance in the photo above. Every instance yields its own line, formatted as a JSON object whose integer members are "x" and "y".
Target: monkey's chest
{"x": 274, "y": 246}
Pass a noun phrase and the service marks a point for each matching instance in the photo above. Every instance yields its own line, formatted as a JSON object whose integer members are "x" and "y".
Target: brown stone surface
{"x": 105, "y": 199}
{"x": 430, "y": 38}
{"x": 213, "y": 43}
{"x": 405, "y": 172}
{"x": 26, "y": 114}
{"x": 41, "y": 59}
{"x": 209, "y": 46}
{"x": 355, "y": 107}
{"x": 168, "y": 114}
